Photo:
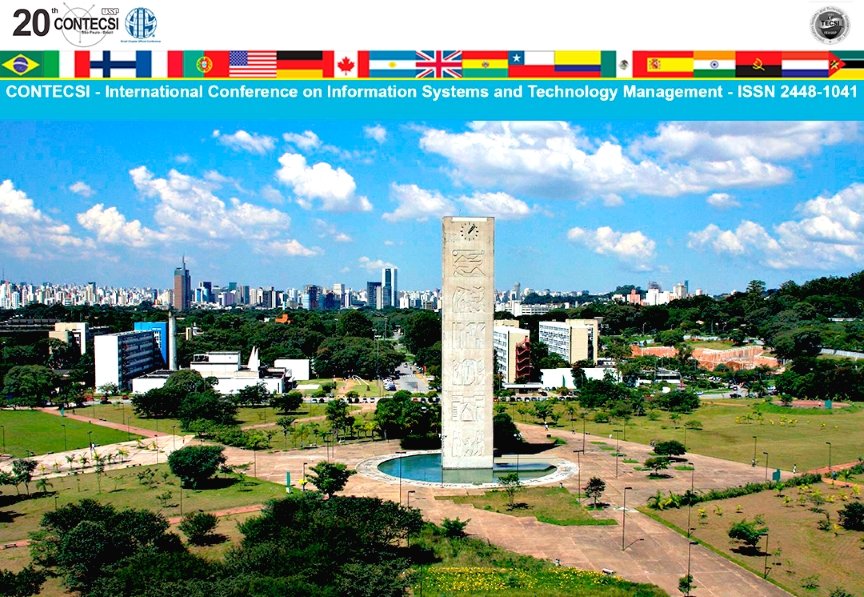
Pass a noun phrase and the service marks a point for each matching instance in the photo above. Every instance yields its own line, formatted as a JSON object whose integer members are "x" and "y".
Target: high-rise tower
{"x": 182, "y": 288}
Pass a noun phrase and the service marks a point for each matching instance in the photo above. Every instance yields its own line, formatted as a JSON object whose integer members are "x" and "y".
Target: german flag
{"x": 759, "y": 64}
{"x": 304, "y": 64}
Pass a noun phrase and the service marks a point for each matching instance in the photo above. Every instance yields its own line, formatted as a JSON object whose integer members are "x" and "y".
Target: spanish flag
{"x": 663, "y": 65}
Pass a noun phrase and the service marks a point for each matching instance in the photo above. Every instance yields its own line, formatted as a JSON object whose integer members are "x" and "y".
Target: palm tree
{"x": 42, "y": 485}
{"x": 70, "y": 458}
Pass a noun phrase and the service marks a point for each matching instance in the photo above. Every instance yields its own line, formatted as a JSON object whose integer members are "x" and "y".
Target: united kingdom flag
{"x": 439, "y": 64}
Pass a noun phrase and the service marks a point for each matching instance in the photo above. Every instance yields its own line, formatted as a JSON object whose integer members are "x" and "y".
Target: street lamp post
{"x": 766, "y": 464}
{"x": 829, "y": 457}
{"x": 90, "y": 440}
{"x": 690, "y": 544}
{"x": 753, "y": 462}
{"x": 685, "y": 436}
{"x": 304, "y": 476}
{"x": 579, "y": 474}
{"x": 624, "y": 517}
{"x": 765, "y": 574}
{"x": 65, "y": 443}
{"x": 617, "y": 451}
{"x": 400, "y": 475}
{"x": 583, "y": 432}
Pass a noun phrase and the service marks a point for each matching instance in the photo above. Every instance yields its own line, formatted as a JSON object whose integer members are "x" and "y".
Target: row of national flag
{"x": 436, "y": 64}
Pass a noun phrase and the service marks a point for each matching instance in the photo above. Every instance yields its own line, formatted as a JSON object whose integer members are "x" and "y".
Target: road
{"x": 409, "y": 380}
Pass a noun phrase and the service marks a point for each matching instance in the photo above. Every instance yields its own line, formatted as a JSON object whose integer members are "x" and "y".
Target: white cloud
{"x": 498, "y": 205}
{"x": 273, "y": 195}
{"x": 373, "y": 265}
{"x": 612, "y": 200}
{"x": 82, "y": 188}
{"x": 556, "y": 160}
{"x": 718, "y": 141}
{"x": 183, "y": 158}
{"x": 244, "y": 141}
{"x": 112, "y": 227}
{"x": 292, "y": 248}
{"x": 632, "y": 248}
{"x": 829, "y": 234}
{"x": 187, "y": 208}
{"x": 27, "y": 232}
{"x": 333, "y": 187}
{"x": 419, "y": 204}
{"x": 722, "y": 201}
{"x": 305, "y": 141}
{"x": 377, "y": 133}
{"x": 330, "y": 232}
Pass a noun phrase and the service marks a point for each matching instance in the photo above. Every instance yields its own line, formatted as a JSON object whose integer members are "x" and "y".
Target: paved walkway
{"x": 654, "y": 553}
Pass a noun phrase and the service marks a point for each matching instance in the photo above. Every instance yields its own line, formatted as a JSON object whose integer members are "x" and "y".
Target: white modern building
{"x": 512, "y": 351}
{"x": 119, "y": 358}
{"x": 574, "y": 339}
{"x": 563, "y": 377}
{"x": 229, "y": 372}
{"x": 297, "y": 369}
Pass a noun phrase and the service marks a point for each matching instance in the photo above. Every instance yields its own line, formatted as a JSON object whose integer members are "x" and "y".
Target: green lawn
{"x": 712, "y": 344}
{"x": 123, "y": 489}
{"x": 123, "y": 414}
{"x": 790, "y": 436}
{"x": 552, "y": 505}
{"x": 40, "y": 433}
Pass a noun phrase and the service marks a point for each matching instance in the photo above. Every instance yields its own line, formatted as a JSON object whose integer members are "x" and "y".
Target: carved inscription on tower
{"x": 467, "y": 264}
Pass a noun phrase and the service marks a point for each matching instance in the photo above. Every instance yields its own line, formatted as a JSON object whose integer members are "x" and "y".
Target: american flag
{"x": 439, "y": 64}
{"x": 252, "y": 65}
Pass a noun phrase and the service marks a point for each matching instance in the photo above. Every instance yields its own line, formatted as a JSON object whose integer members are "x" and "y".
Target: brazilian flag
{"x": 29, "y": 65}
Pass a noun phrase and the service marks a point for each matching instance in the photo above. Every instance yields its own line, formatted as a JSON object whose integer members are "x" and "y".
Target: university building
{"x": 573, "y": 339}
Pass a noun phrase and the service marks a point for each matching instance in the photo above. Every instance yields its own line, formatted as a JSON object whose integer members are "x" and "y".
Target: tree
{"x": 595, "y": 488}
{"x": 657, "y": 464}
{"x": 22, "y": 584}
{"x": 852, "y": 516}
{"x": 511, "y": 484}
{"x": 422, "y": 329}
{"x": 285, "y": 423}
{"x": 670, "y": 447}
{"x": 208, "y": 405}
{"x": 29, "y": 385}
{"x": 22, "y": 472}
{"x": 187, "y": 381}
{"x": 337, "y": 414}
{"x": 289, "y": 402}
{"x": 195, "y": 464}
{"x": 354, "y": 323}
{"x": 330, "y": 477}
{"x": 747, "y": 532}
{"x": 250, "y": 395}
{"x": 678, "y": 401}
{"x": 198, "y": 527}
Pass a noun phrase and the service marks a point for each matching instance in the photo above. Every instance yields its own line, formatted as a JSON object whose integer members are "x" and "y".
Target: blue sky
{"x": 579, "y": 205}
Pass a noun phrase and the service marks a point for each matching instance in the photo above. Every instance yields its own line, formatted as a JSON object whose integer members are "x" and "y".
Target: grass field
{"x": 123, "y": 414}
{"x": 552, "y": 505}
{"x": 123, "y": 489}
{"x": 712, "y": 344}
{"x": 41, "y": 433}
{"x": 790, "y": 436}
{"x": 798, "y": 551}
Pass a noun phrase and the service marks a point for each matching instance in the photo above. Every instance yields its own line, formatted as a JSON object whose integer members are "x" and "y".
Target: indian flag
{"x": 713, "y": 65}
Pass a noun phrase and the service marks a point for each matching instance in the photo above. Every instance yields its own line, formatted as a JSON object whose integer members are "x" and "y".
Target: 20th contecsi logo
{"x": 830, "y": 25}
{"x": 82, "y": 27}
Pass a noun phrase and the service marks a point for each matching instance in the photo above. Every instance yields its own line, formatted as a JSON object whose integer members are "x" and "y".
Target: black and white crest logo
{"x": 830, "y": 25}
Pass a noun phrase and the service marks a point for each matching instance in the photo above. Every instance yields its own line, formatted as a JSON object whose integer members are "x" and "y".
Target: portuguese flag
{"x": 196, "y": 64}
{"x": 29, "y": 65}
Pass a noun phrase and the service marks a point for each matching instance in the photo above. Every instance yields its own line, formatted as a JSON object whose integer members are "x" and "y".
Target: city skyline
{"x": 578, "y": 205}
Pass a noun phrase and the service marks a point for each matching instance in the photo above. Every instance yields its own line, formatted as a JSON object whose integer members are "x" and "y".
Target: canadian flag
{"x": 351, "y": 64}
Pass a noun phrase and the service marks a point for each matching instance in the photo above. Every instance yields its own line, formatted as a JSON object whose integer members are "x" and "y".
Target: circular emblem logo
{"x": 624, "y": 65}
{"x": 715, "y": 64}
{"x": 829, "y": 25}
{"x": 204, "y": 64}
{"x": 73, "y": 25}
{"x": 141, "y": 23}
{"x": 21, "y": 65}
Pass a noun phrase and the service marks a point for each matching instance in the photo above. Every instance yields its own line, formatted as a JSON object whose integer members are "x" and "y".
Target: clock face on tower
{"x": 469, "y": 231}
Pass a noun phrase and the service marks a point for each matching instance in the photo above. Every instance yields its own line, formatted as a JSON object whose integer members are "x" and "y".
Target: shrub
{"x": 747, "y": 532}
{"x": 198, "y": 527}
{"x": 852, "y": 516}
{"x": 670, "y": 447}
{"x": 657, "y": 464}
{"x": 194, "y": 464}
{"x": 454, "y": 528}
{"x": 742, "y": 490}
